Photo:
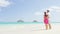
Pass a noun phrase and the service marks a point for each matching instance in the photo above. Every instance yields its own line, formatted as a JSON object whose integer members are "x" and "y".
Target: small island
{"x": 20, "y": 21}
{"x": 35, "y": 21}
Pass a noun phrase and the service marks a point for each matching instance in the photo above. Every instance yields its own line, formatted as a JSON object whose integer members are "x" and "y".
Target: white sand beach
{"x": 29, "y": 29}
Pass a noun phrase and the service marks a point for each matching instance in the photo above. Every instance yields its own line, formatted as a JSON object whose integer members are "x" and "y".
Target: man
{"x": 47, "y": 13}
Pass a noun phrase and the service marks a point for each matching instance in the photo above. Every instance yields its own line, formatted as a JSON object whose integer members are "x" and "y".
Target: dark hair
{"x": 47, "y": 10}
{"x": 45, "y": 14}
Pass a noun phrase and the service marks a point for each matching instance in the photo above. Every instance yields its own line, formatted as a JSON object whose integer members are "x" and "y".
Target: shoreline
{"x": 29, "y": 29}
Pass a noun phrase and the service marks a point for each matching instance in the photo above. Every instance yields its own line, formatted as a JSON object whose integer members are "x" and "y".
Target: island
{"x": 20, "y": 21}
{"x": 35, "y": 21}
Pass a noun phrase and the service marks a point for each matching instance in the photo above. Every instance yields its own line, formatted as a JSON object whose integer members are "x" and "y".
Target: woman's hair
{"x": 45, "y": 14}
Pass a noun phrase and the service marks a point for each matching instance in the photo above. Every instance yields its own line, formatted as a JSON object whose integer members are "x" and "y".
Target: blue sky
{"x": 28, "y": 10}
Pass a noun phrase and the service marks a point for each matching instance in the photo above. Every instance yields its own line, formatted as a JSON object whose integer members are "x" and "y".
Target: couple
{"x": 46, "y": 20}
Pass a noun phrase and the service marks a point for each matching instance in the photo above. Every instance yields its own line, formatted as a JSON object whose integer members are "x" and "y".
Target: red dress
{"x": 46, "y": 20}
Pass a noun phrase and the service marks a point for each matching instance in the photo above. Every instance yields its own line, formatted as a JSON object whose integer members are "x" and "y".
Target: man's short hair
{"x": 47, "y": 10}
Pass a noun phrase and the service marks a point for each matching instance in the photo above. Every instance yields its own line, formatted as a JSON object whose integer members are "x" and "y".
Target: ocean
{"x": 21, "y": 22}
{"x": 28, "y": 28}
{"x": 24, "y": 22}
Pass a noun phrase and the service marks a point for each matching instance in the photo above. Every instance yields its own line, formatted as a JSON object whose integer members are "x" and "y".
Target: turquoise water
{"x": 24, "y": 22}
{"x": 21, "y": 22}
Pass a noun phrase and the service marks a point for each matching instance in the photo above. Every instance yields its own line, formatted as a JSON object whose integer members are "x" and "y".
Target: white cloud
{"x": 4, "y": 3}
{"x": 38, "y": 13}
{"x": 51, "y": 8}
{"x": 54, "y": 8}
{"x": 54, "y": 13}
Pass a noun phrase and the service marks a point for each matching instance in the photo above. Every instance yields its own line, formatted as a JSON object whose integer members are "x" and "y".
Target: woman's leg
{"x": 46, "y": 26}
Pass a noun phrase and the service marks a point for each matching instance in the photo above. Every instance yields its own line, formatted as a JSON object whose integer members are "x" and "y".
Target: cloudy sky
{"x": 29, "y": 10}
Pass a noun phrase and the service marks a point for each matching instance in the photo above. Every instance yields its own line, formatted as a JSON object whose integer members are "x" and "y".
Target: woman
{"x": 46, "y": 21}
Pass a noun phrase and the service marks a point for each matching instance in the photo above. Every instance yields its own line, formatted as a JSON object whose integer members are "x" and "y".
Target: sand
{"x": 29, "y": 29}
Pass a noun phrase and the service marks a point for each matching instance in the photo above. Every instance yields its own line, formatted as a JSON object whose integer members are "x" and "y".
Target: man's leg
{"x": 49, "y": 26}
